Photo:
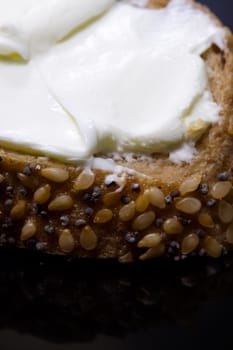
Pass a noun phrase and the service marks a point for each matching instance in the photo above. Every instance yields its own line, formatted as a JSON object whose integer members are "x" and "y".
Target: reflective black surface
{"x": 51, "y": 303}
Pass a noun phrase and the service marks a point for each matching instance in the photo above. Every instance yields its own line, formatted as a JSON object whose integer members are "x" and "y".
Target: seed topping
{"x": 60, "y": 203}
{"x": 85, "y": 180}
{"x": 127, "y": 212}
{"x": 19, "y": 210}
{"x": 103, "y": 216}
{"x": 151, "y": 240}
{"x": 225, "y": 212}
{"x": 88, "y": 238}
{"x": 156, "y": 198}
{"x": 172, "y": 226}
{"x": 28, "y": 230}
{"x": 58, "y": 175}
{"x": 212, "y": 247}
{"x": 189, "y": 243}
{"x": 42, "y": 194}
{"x": 144, "y": 220}
{"x": 152, "y": 253}
{"x": 190, "y": 185}
{"x": 189, "y": 205}
{"x": 206, "y": 220}
{"x": 66, "y": 241}
{"x": 221, "y": 189}
{"x": 142, "y": 202}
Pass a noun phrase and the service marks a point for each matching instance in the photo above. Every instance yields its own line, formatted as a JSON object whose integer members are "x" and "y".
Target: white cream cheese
{"x": 104, "y": 76}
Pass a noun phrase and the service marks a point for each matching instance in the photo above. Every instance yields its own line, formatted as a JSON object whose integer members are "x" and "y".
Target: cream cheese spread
{"x": 89, "y": 76}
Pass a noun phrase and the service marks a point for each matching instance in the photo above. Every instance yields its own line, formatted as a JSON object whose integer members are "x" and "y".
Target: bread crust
{"x": 65, "y": 209}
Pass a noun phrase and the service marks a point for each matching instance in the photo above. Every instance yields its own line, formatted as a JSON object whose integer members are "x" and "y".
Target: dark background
{"x": 55, "y": 304}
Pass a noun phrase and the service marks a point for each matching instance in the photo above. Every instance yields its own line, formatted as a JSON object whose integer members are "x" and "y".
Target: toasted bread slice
{"x": 157, "y": 209}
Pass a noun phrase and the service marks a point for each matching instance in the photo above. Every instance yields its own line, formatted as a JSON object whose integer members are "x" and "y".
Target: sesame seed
{"x": 211, "y": 202}
{"x": 204, "y": 189}
{"x": 223, "y": 176}
{"x": 88, "y": 238}
{"x": 57, "y": 175}
{"x": 66, "y": 241}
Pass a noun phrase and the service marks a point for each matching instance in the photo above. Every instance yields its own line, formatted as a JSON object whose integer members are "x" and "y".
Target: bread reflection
{"x": 65, "y": 301}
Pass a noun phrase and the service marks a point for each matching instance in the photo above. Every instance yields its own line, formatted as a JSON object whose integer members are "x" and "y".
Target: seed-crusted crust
{"x": 160, "y": 209}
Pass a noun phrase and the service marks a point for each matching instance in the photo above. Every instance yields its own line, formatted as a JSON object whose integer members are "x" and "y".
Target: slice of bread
{"x": 159, "y": 208}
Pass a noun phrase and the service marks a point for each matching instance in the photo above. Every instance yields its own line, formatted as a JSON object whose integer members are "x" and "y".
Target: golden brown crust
{"x": 162, "y": 209}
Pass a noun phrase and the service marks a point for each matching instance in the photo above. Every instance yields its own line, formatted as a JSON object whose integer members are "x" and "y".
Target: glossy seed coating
{"x": 85, "y": 180}
{"x": 103, "y": 216}
{"x": 144, "y": 220}
{"x": 142, "y": 202}
{"x": 190, "y": 185}
{"x": 225, "y": 212}
{"x": 212, "y": 247}
{"x": 189, "y": 243}
{"x": 206, "y": 220}
{"x": 57, "y": 175}
{"x": 221, "y": 189}
{"x": 28, "y": 230}
{"x": 152, "y": 253}
{"x": 172, "y": 226}
{"x": 42, "y": 194}
{"x": 60, "y": 203}
{"x": 127, "y": 212}
{"x": 151, "y": 240}
{"x": 66, "y": 241}
{"x": 156, "y": 198}
{"x": 19, "y": 210}
{"x": 189, "y": 205}
{"x": 88, "y": 238}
